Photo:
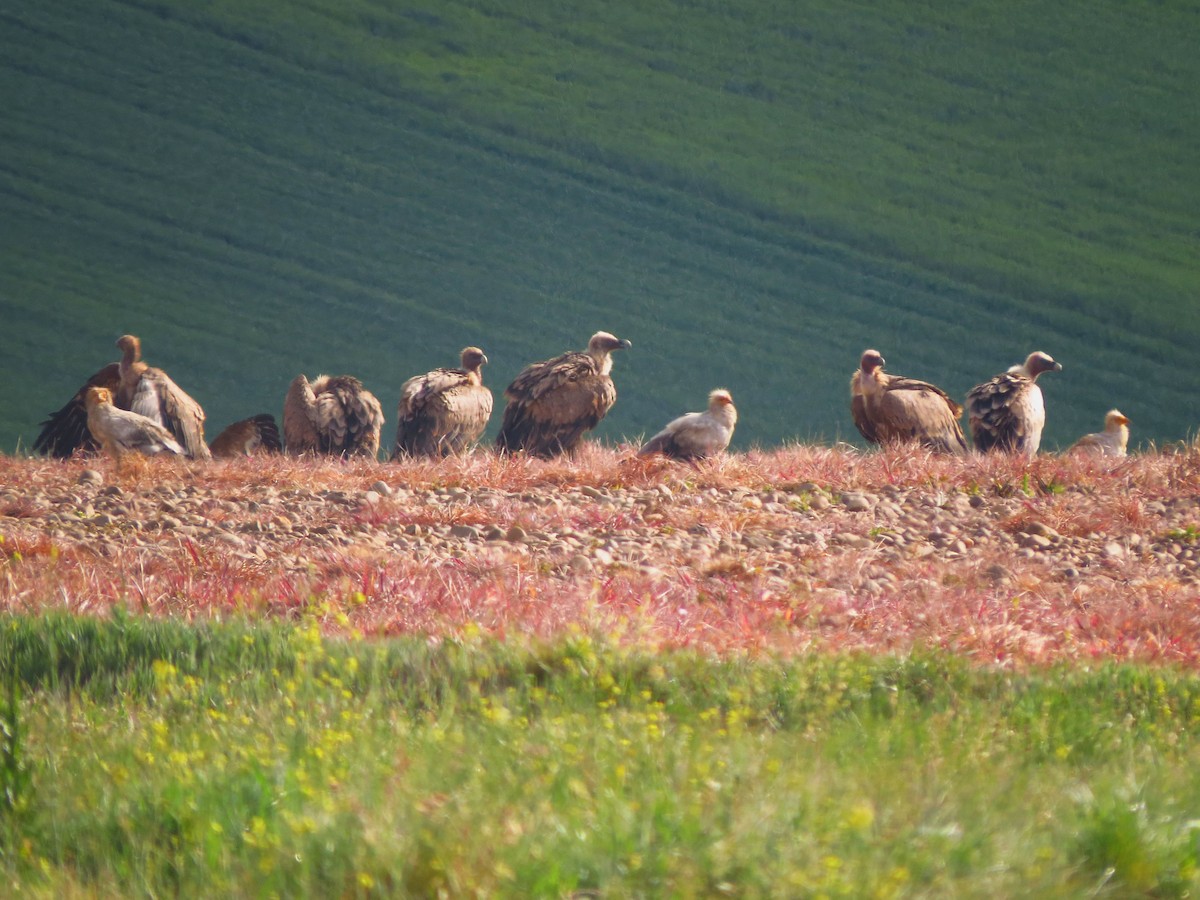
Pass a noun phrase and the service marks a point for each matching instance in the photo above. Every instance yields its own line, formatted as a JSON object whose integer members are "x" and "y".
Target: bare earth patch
{"x": 797, "y": 550}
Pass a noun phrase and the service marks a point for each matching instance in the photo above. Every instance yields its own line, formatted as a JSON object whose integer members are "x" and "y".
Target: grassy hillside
{"x": 751, "y": 194}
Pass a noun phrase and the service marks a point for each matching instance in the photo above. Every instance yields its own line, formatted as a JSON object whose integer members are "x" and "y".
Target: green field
{"x": 752, "y": 193}
{"x": 151, "y": 758}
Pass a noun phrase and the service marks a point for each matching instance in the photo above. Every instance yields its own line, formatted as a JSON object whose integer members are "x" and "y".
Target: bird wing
{"x": 347, "y": 416}
{"x": 257, "y": 434}
{"x": 66, "y": 430}
{"x": 443, "y": 411}
{"x": 133, "y": 431}
{"x": 909, "y": 409}
{"x": 691, "y": 436}
{"x": 299, "y": 418}
{"x": 1001, "y": 413}
{"x": 161, "y": 400}
{"x": 552, "y": 404}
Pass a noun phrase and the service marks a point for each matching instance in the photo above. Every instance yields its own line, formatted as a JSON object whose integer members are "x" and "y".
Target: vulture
{"x": 119, "y": 431}
{"x": 257, "y": 435}
{"x": 1007, "y": 413}
{"x": 443, "y": 412}
{"x": 1112, "y": 441}
{"x": 66, "y": 430}
{"x": 333, "y": 416}
{"x": 150, "y": 392}
{"x": 697, "y": 435}
{"x": 889, "y": 408}
{"x": 552, "y": 403}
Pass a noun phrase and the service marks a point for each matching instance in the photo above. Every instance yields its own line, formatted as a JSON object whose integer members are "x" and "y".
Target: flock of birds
{"x": 130, "y": 407}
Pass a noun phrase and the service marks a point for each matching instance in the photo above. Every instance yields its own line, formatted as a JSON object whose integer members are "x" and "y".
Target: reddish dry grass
{"x": 817, "y": 596}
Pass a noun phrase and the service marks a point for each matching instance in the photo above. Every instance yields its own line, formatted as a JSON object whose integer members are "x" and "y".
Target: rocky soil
{"x": 795, "y": 550}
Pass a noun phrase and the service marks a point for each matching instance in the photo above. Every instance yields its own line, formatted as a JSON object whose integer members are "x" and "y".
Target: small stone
{"x": 469, "y": 532}
{"x": 998, "y": 573}
{"x": 493, "y": 533}
{"x": 580, "y": 564}
{"x": 856, "y": 502}
{"x": 1036, "y": 542}
{"x": 371, "y": 498}
{"x": 588, "y": 491}
{"x": 1114, "y": 550}
{"x": 516, "y": 534}
{"x": 90, "y": 476}
{"x": 602, "y": 556}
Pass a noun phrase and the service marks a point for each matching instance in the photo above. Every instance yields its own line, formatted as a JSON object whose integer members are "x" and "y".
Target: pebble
{"x": 855, "y": 501}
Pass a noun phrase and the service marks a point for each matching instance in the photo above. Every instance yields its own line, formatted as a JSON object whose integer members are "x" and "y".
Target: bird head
{"x": 603, "y": 342}
{"x": 473, "y": 358}
{"x": 97, "y": 396}
{"x": 872, "y": 360}
{"x": 1038, "y": 362}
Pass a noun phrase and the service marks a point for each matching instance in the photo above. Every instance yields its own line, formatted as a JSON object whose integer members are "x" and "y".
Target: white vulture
{"x": 1112, "y": 441}
{"x": 333, "y": 416}
{"x": 1008, "y": 413}
{"x": 120, "y": 432}
{"x": 697, "y": 435}
{"x": 66, "y": 430}
{"x": 445, "y": 411}
{"x": 889, "y": 408}
{"x": 150, "y": 392}
{"x": 257, "y": 435}
{"x": 552, "y": 403}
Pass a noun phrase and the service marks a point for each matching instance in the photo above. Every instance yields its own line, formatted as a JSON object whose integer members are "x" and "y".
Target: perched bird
{"x": 889, "y": 408}
{"x": 1008, "y": 413}
{"x": 334, "y": 416}
{"x": 120, "y": 432}
{"x": 150, "y": 392}
{"x": 1112, "y": 441}
{"x": 697, "y": 435}
{"x": 443, "y": 411}
{"x": 258, "y": 435}
{"x": 552, "y": 403}
{"x": 66, "y": 430}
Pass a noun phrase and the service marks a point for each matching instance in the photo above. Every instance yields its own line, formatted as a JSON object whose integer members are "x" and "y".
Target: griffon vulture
{"x": 66, "y": 430}
{"x": 697, "y": 435}
{"x": 445, "y": 411}
{"x": 119, "y": 431}
{"x": 150, "y": 392}
{"x": 889, "y": 408}
{"x": 257, "y": 435}
{"x": 334, "y": 416}
{"x": 552, "y": 403}
{"x": 1112, "y": 441}
{"x": 1008, "y": 413}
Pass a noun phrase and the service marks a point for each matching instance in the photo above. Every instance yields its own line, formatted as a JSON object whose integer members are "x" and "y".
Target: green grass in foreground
{"x": 147, "y": 757}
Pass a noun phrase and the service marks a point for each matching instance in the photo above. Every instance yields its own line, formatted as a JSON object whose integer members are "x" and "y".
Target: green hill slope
{"x": 751, "y": 193}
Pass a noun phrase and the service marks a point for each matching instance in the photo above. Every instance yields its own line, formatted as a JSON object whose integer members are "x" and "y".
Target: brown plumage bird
{"x": 551, "y": 404}
{"x": 445, "y": 411}
{"x": 1112, "y": 441}
{"x": 257, "y": 435}
{"x": 1007, "y": 412}
{"x": 150, "y": 392}
{"x": 121, "y": 432}
{"x": 888, "y": 408}
{"x": 697, "y": 435}
{"x": 333, "y": 416}
{"x": 66, "y": 430}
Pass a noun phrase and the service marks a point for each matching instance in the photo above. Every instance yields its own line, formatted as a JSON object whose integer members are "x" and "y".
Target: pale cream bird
{"x": 890, "y": 408}
{"x": 333, "y": 416}
{"x": 120, "y": 432}
{"x": 445, "y": 411}
{"x": 551, "y": 404}
{"x": 1112, "y": 441}
{"x": 1008, "y": 413}
{"x": 697, "y": 435}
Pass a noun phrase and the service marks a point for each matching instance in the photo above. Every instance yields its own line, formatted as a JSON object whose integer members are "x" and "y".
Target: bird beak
{"x": 484, "y": 360}
{"x": 1057, "y": 367}
{"x": 624, "y": 345}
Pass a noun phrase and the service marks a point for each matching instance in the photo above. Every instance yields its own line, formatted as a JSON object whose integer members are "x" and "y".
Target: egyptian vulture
{"x": 1112, "y": 441}
{"x": 697, "y": 435}
{"x": 445, "y": 411}
{"x": 1008, "y": 413}
{"x": 552, "y": 403}
{"x": 66, "y": 430}
{"x": 150, "y": 392}
{"x": 333, "y": 416}
{"x": 888, "y": 408}
{"x": 257, "y": 435}
{"x": 119, "y": 431}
